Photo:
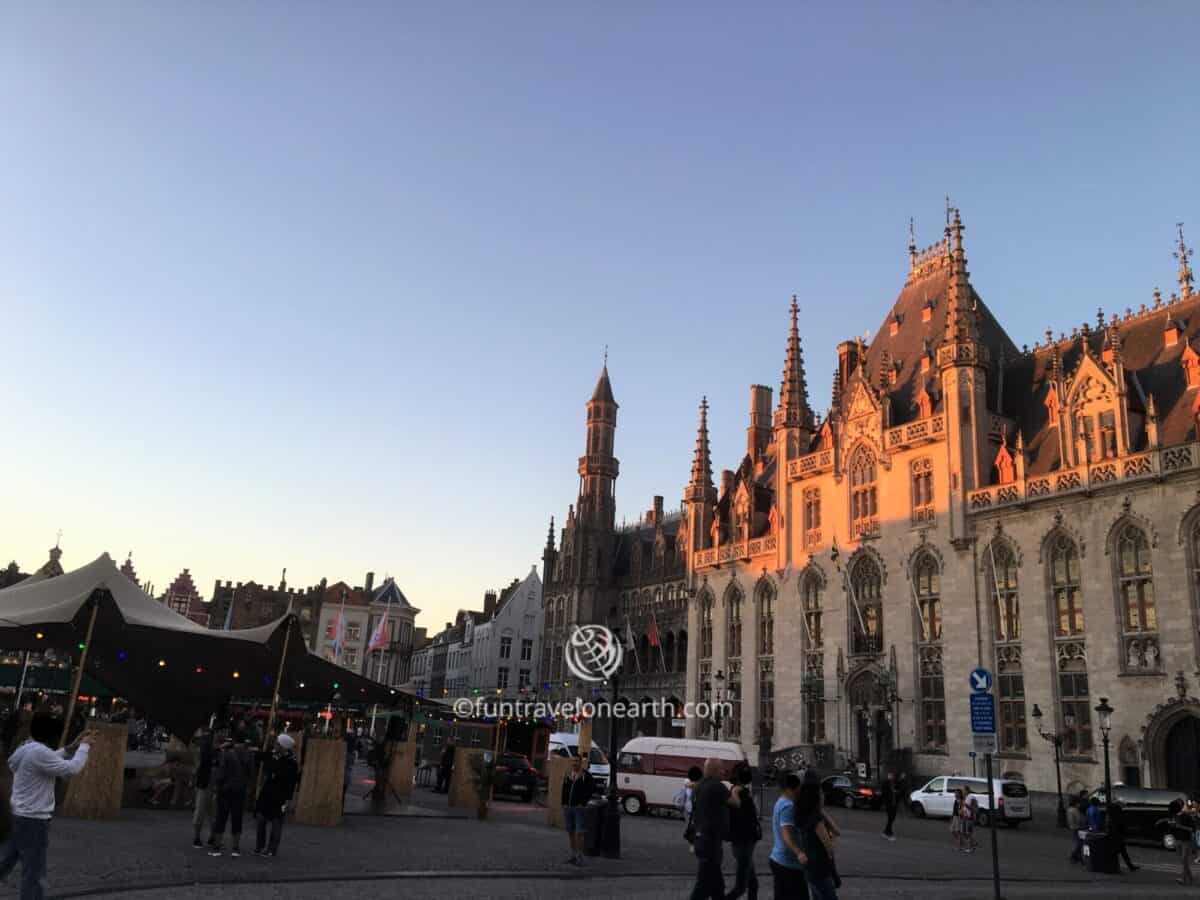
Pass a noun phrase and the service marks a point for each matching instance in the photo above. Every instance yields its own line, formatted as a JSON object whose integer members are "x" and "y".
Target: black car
{"x": 848, "y": 792}
{"x": 515, "y": 776}
{"x": 1144, "y": 812}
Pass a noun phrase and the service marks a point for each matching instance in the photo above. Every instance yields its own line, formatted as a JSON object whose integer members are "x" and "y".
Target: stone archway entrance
{"x": 1181, "y": 755}
{"x": 870, "y": 733}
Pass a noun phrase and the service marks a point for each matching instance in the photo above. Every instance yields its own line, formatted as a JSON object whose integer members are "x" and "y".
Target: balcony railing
{"x": 1083, "y": 479}
{"x": 740, "y": 550}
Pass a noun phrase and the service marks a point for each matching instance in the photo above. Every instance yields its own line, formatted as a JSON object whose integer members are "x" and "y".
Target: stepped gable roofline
{"x": 1152, "y": 367}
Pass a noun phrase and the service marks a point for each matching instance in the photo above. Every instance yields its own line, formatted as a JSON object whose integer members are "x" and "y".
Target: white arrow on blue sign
{"x": 981, "y": 681}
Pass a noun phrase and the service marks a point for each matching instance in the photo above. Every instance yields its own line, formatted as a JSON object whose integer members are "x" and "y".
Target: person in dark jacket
{"x": 231, "y": 777}
{"x": 1116, "y": 828}
{"x": 816, "y": 836}
{"x": 577, "y": 789}
{"x": 710, "y": 816}
{"x": 445, "y": 768}
{"x": 281, "y": 774}
{"x": 890, "y": 803}
{"x": 205, "y": 800}
{"x": 744, "y": 832}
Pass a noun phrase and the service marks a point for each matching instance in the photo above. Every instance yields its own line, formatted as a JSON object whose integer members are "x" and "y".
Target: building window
{"x": 766, "y": 694}
{"x": 354, "y": 631}
{"x": 733, "y": 646}
{"x": 556, "y": 664}
{"x": 929, "y": 600}
{"x": 1011, "y": 688}
{"x": 1136, "y": 584}
{"x": 506, "y": 647}
{"x": 922, "y": 490}
{"x": 926, "y": 575}
{"x": 349, "y": 658}
{"x": 1075, "y": 706}
{"x": 766, "y": 620}
{"x": 812, "y": 516}
{"x": 813, "y": 691}
{"x": 810, "y": 592}
{"x": 1108, "y": 435}
{"x": 866, "y": 608}
{"x": 864, "y": 514}
{"x": 706, "y": 616}
{"x": 526, "y": 649}
{"x": 523, "y": 678}
{"x": 502, "y": 677}
{"x": 933, "y": 699}
{"x": 733, "y": 693}
{"x": 1006, "y": 603}
{"x": 1064, "y": 579}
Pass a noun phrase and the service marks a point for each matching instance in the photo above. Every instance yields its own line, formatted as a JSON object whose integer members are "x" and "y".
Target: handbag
{"x": 825, "y": 837}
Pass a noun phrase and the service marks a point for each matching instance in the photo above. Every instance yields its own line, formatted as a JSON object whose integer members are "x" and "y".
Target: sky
{"x": 327, "y": 286}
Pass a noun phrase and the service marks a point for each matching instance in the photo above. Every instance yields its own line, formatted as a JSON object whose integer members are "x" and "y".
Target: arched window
{"x": 864, "y": 513}
{"x": 1070, "y": 648}
{"x": 926, "y": 575}
{"x": 931, "y": 685}
{"x": 812, "y": 688}
{"x": 810, "y": 593}
{"x": 1064, "y": 581}
{"x": 681, "y": 648}
{"x": 866, "y": 612}
{"x": 1001, "y": 576}
{"x": 1135, "y": 594}
{"x": 733, "y": 639}
{"x": 766, "y": 620}
{"x": 706, "y": 616}
{"x": 922, "y": 490}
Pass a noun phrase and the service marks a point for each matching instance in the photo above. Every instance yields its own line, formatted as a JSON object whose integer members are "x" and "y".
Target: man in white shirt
{"x": 35, "y": 766}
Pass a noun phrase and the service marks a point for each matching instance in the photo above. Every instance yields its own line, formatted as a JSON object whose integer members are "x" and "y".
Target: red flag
{"x": 652, "y": 632}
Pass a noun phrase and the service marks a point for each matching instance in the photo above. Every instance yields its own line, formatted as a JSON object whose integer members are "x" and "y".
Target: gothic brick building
{"x": 965, "y": 503}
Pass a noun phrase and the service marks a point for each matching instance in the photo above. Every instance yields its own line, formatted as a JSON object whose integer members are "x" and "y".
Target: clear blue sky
{"x": 326, "y": 286}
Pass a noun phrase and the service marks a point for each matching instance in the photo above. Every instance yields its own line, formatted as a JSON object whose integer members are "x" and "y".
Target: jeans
{"x": 230, "y": 805}
{"x": 206, "y": 801}
{"x": 27, "y": 843}
{"x": 710, "y": 883}
{"x": 822, "y": 888}
{"x": 276, "y": 833}
{"x": 891, "y": 817}
{"x": 790, "y": 883}
{"x": 1076, "y": 846}
{"x": 746, "y": 880}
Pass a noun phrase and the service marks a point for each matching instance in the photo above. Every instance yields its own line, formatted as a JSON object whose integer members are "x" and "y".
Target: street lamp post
{"x": 610, "y": 838}
{"x": 1056, "y": 739}
{"x": 1104, "y": 712}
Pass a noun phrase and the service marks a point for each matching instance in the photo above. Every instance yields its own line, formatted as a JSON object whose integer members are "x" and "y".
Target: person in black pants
{"x": 710, "y": 817}
{"x": 232, "y": 773}
{"x": 890, "y": 799}
{"x": 444, "y": 771}
{"x": 787, "y": 857}
{"x": 744, "y": 833}
{"x": 1116, "y": 829}
{"x": 281, "y": 774}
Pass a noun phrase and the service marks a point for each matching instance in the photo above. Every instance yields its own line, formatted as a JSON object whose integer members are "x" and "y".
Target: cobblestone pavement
{"x": 514, "y": 854}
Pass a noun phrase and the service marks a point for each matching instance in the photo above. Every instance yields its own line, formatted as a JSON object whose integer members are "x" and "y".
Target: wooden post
{"x": 320, "y": 799}
{"x": 287, "y": 637}
{"x": 87, "y": 643}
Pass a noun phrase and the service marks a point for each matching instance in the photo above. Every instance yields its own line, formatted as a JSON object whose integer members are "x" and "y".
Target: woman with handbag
{"x": 817, "y": 837}
{"x": 744, "y": 832}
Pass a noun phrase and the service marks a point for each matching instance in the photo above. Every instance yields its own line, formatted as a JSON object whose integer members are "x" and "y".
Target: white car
{"x": 566, "y": 743}
{"x": 936, "y": 799}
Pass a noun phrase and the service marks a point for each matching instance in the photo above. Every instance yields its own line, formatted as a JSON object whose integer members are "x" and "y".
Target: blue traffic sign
{"x": 983, "y": 714}
{"x": 981, "y": 681}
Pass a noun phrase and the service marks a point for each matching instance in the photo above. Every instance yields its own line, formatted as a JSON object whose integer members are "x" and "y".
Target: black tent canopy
{"x": 176, "y": 670}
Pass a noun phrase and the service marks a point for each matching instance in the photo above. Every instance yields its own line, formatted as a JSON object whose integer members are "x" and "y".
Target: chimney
{"x": 847, "y": 360}
{"x": 726, "y": 482}
{"x": 658, "y": 509}
{"x": 758, "y": 435}
{"x": 489, "y": 604}
{"x": 370, "y": 582}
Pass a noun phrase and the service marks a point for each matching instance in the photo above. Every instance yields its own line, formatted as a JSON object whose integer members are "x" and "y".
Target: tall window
{"x": 526, "y": 649}
{"x": 864, "y": 513}
{"x": 545, "y": 672}
{"x": 1064, "y": 580}
{"x": 1010, "y": 684}
{"x": 706, "y": 636}
{"x": 766, "y": 620}
{"x": 1136, "y": 584}
{"x": 1001, "y": 576}
{"x": 933, "y": 701}
{"x": 733, "y": 693}
{"x": 766, "y": 692}
{"x": 556, "y": 665}
{"x": 922, "y": 490}
{"x": 929, "y": 600}
{"x": 506, "y": 647}
{"x": 502, "y": 677}
{"x": 733, "y": 645}
{"x": 812, "y": 516}
{"x": 866, "y": 608}
{"x": 1108, "y": 435}
{"x": 927, "y": 580}
{"x": 811, "y": 598}
{"x": 1075, "y": 706}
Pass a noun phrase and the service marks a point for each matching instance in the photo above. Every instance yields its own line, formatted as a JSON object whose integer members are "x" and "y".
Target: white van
{"x": 651, "y": 770}
{"x": 936, "y": 799}
{"x": 566, "y": 743}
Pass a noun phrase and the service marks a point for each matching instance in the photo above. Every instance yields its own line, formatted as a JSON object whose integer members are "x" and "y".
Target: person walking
{"x": 956, "y": 820}
{"x": 577, "y": 789}
{"x": 1116, "y": 830}
{"x": 281, "y": 774}
{"x": 35, "y": 766}
{"x": 744, "y": 832}
{"x": 205, "y": 798}
{"x": 968, "y": 814}
{"x": 787, "y": 857}
{"x": 231, "y": 778}
{"x": 890, "y": 802}
{"x": 1183, "y": 824}
{"x": 710, "y": 816}
{"x": 1076, "y": 823}
{"x": 817, "y": 833}
{"x": 1095, "y": 815}
{"x": 445, "y": 768}
{"x": 683, "y": 799}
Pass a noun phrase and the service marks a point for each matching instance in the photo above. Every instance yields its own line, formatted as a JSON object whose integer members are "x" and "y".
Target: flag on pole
{"x": 339, "y": 631}
{"x": 632, "y": 646}
{"x": 858, "y": 612}
{"x": 379, "y": 635}
{"x": 835, "y": 555}
{"x": 920, "y": 613}
{"x": 1002, "y": 624}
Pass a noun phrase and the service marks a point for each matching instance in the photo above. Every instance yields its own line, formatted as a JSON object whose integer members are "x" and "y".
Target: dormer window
{"x": 927, "y": 311}
{"x": 924, "y": 404}
{"x": 894, "y": 325}
{"x": 1172, "y": 332}
{"x": 1190, "y": 360}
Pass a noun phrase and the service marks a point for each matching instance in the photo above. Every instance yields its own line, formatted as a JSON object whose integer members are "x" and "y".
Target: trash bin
{"x": 1100, "y": 853}
{"x": 593, "y": 825}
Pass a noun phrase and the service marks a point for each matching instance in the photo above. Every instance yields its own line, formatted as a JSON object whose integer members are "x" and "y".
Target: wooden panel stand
{"x": 95, "y": 793}
{"x": 404, "y": 755}
{"x": 556, "y": 771}
{"x": 462, "y": 783}
{"x": 320, "y": 800}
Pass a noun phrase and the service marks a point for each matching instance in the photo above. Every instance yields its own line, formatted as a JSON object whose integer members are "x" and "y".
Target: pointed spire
{"x": 550, "y": 536}
{"x": 604, "y": 392}
{"x": 962, "y": 314}
{"x": 912, "y": 246}
{"x": 1185, "y": 270}
{"x": 885, "y": 372}
{"x": 793, "y": 411}
{"x": 836, "y": 404}
{"x": 702, "y": 458}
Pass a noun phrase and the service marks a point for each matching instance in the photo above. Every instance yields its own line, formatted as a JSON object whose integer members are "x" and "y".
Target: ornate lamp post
{"x": 1057, "y": 740}
{"x": 1104, "y": 712}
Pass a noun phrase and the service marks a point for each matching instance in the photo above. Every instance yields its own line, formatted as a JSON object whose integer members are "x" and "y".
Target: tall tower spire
{"x": 701, "y": 459}
{"x": 1185, "y": 270}
{"x": 598, "y": 468}
{"x": 700, "y": 497}
{"x": 793, "y": 411}
{"x": 962, "y": 317}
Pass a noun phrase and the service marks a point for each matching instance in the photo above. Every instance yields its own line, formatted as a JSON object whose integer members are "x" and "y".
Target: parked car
{"x": 851, "y": 792}
{"x": 566, "y": 743}
{"x": 651, "y": 770}
{"x": 1145, "y": 811}
{"x": 515, "y": 776}
{"x": 936, "y": 799}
